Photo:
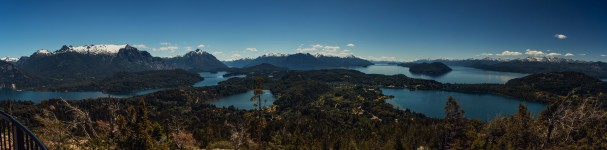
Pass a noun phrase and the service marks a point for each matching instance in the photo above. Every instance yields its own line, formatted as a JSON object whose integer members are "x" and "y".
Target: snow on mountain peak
{"x": 9, "y": 59}
{"x": 274, "y": 55}
{"x": 43, "y": 52}
{"x": 198, "y": 51}
{"x": 94, "y": 49}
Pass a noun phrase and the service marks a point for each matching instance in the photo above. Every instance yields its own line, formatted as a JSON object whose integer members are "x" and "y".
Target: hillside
{"x": 561, "y": 83}
{"x": 11, "y": 74}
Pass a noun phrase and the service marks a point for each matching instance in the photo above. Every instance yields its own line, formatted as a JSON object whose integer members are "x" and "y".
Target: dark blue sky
{"x": 394, "y": 30}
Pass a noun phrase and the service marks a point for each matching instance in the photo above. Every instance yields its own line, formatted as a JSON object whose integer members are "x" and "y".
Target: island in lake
{"x": 431, "y": 69}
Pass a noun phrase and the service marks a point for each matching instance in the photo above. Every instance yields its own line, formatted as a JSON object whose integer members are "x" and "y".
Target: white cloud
{"x": 251, "y": 49}
{"x": 350, "y": 45}
{"x": 582, "y": 54}
{"x": 235, "y": 56}
{"x": 201, "y": 46}
{"x": 509, "y": 53}
{"x": 383, "y": 58}
{"x": 317, "y": 46}
{"x": 140, "y": 46}
{"x": 603, "y": 55}
{"x": 188, "y": 48}
{"x": 534, "y": 52}
{"x": 165, "y": 43}
{"x": 486, "y": 54}
{"x": 331, "y": 49}
{"x": 560, "y": 36}
{"x": 569, "y": 54}
{"x": 217, "y": 53}
{"x": 168, "y": 48}
{"x": 324, "y": 50}
{"x": 553, "y": 54}
{"x": 302, "y": 49}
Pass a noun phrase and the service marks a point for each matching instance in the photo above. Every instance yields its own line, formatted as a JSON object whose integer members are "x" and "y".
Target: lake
{"x": 37, "y": 96}
{"x": 458, "y": 75}
{"x": 242, "y": 100}
{"x": 211, "y": 79}
{"x": 479, "y": 106}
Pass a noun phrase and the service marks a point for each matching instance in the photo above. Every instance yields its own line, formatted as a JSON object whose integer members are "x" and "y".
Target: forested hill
{"x": 561, "y": 83}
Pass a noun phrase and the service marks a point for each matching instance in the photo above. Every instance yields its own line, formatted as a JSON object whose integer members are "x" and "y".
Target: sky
{"x": 399, "y": 30}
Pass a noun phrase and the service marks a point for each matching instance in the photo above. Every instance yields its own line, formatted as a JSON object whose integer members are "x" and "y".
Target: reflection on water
{"x": 479, "y": 106}
{"x": 242, "y": 100}
{"x": 458, "y": 75}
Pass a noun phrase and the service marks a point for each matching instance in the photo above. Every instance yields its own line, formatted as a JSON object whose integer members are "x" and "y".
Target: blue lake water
{"x": 211, "y": 79}
{"x": 479, "y": 106}
{"x": 431, "y": 103}
{"x": 458, "y": 75}
{"x": 242, "y": 100}
{"x": 37, "y": 96}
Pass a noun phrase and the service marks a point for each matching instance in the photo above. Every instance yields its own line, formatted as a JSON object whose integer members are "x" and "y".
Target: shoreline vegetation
{"x": 335, "y": 108}
{"x": 520, "y": 88}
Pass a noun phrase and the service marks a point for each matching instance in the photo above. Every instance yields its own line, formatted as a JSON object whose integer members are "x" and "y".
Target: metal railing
{"x": 15, "y": 136}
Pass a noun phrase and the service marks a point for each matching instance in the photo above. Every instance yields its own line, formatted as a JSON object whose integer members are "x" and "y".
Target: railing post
{"x": 15, "y": 136}
{"x": 18, "y": 139}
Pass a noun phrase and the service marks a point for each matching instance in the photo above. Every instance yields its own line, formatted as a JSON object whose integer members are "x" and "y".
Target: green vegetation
{"x": 432, "y": 69}
{"x": 133, "y": 81}
{"x": 323, "y": 109}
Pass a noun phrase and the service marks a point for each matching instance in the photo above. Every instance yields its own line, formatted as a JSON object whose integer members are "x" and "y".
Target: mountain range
{"x": 301, "y": 61}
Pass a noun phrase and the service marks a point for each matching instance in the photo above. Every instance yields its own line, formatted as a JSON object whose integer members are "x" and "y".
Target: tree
{"x": 137, "y": 129}
{"x": 520, "y": 131}
{"x": 259, "y": 120}
{"x": 454, "y": 127}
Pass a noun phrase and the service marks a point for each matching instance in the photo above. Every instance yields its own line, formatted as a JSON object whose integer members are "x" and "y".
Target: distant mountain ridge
{"x": 99, "y": 61}
{"x": 301, "y": 61}
{"x": 530, "y": 65}
{"x": 197, "y": 60}
{"x": 89, "y": 61}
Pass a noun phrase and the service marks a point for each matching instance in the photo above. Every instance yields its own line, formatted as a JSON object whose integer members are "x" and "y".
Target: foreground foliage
{"x": 335, "y": 109}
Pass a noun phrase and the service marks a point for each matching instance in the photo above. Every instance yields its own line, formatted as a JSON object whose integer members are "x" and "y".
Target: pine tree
{"x": 258, "y": 103}
{"x": 454, "y": 127}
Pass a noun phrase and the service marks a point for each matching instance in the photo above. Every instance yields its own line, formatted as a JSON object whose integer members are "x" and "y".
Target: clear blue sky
{"x": 397, "y": 30}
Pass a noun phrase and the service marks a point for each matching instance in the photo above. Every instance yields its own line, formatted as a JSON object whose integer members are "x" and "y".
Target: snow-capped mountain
{"x": 197, "y": 60}
{"x": 546, "y": 59}
{"x": 89, "y": 61}
{"x": 274, "y": 55}
{"x": 9, "y": 59}
{"x": 93, "y": 49}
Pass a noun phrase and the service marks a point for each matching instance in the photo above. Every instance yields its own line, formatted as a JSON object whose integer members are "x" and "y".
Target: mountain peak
{"x": 95, "y": 49}
{"x": 43, "y": 52}
{"x": 196, "y": 52}
{"x": 9, "y": 59}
